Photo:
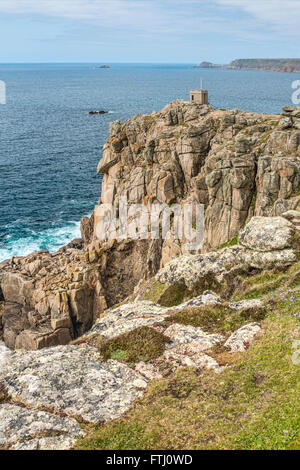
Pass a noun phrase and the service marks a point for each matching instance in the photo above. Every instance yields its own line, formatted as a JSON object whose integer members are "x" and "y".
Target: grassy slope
{"x": 253, "y": 404}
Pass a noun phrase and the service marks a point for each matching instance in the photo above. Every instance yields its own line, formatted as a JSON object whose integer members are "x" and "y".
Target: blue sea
{"x": 50, "y": 145}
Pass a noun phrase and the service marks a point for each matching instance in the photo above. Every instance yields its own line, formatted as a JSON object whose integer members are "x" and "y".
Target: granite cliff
{"x": 237, "y": 164}
{"x": 187, "y": 338}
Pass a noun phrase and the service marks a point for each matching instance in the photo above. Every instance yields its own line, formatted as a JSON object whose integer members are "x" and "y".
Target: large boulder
{"x": 267, "y": 234}
{"x": 265, "y": 243}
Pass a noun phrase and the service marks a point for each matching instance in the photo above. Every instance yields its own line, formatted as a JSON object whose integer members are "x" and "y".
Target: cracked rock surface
{"x": 128, "y": 317}
{"x": 20, "y": 428}
{"x": 72, "y": 380}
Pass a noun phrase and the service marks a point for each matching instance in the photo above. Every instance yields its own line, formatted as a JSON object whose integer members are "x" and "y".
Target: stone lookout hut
{"x": 199, "y": 96}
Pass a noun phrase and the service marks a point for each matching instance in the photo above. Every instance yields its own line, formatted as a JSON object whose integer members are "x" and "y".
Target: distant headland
{"x": 271, "y": 65}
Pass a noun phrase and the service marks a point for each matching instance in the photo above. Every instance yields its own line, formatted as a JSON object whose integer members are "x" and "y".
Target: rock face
{"x": 244, "y": 168}
{"x": 264, "y": 243}
{"x": 237, "y": 164}
{"x": 52, "y": 299}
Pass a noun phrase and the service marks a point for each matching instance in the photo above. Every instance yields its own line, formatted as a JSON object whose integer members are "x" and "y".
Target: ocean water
{"x": 50, "y": 146}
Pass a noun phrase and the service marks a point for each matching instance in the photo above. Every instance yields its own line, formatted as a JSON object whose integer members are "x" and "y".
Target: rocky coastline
{"x": 65, "y": 316}
{"x": 269, "y": 65}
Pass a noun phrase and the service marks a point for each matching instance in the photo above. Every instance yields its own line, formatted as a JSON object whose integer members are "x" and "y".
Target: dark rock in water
{"x": 98, "y": 112}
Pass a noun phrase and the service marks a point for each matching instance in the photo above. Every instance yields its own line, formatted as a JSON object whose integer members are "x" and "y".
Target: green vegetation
{"x": 216, "y": 318}
{"x": 253, "y": 202}
{"x": 259, "y": 285}
{"x": 148, "y": 121}
{"x": 142, "y": 344}
{"x": 284, "y": 65}
{"x": 253, "y": 404}
{"x": 165, "y": 295}
{"x": 232, "y": 242}
{"x": 267, "y": 282}
{"x": 151, "y": 290}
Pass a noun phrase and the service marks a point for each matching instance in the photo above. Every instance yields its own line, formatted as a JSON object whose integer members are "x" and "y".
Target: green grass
{"x": 294, "y": 445}
{"x": 267, "y": 282}
{"x": 164, "y": 294}
{"x": 216, "y": 319}
{"x": 142, "y": 344}
{"x": 254, "y": 404}
{"x": 232, "y": 242}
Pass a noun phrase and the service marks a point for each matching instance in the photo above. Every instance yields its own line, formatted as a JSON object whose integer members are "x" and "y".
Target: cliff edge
{"x": 237, "y": 164}
{"x": 204, "y": 344}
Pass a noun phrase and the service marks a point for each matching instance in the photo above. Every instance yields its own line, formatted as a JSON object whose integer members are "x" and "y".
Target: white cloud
{"x": 282, "y": 13}
{"x": 172, "y": 16}
{"x": 180, "y": 16}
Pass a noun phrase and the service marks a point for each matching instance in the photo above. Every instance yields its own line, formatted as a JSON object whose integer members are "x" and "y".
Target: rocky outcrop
{"x": 44, "y": 395}
{"x": 52, "y": 299}
{"x": 241, "y": 339}
{"x": 237, "y": 164}
{"x": 264, "y": 243}
{"x": 79, "y": 385}
{"x": 23, "y": 429}
{"x": 58, "y": 312}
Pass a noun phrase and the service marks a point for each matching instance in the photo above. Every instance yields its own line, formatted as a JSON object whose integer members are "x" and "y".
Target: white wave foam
{"x": 50, "y": 239}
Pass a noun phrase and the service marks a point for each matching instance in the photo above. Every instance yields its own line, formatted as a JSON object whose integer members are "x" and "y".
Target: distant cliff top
{"x": 272, "y": 65}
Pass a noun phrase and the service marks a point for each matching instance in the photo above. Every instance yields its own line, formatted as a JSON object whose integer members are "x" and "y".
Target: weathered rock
{"x": 190, "y": 355}
{"x": 4, "y": 354}
{"x": 266, "y": 242}
{"x": 207, "y": 298}
{"x": 128, "y": 317}
{"x": 267, "y": 234}
{"x": 285, "y": 123}
{"x": 148, "y": 370}
{"x": 293, "y": 217}
{"x": 241, "y": 339}
{"x": 32, "y": 429}
{"x": 236, "y": 164}
{"x": 247, "y": 304}
{"x": 17, "y": 288}
{"x": 72, "y": 380}
{"x": 51, "y": 299}
{"x": 187, "y": 334}
{"x": 63, "y": 442}
{"x": 222, "y": 159}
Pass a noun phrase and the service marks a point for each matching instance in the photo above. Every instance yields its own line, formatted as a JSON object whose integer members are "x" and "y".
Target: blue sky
{"x": 147, "y": 30}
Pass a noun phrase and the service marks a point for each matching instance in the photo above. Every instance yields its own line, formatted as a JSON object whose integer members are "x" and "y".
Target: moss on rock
{"x": 142, "y": 344}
